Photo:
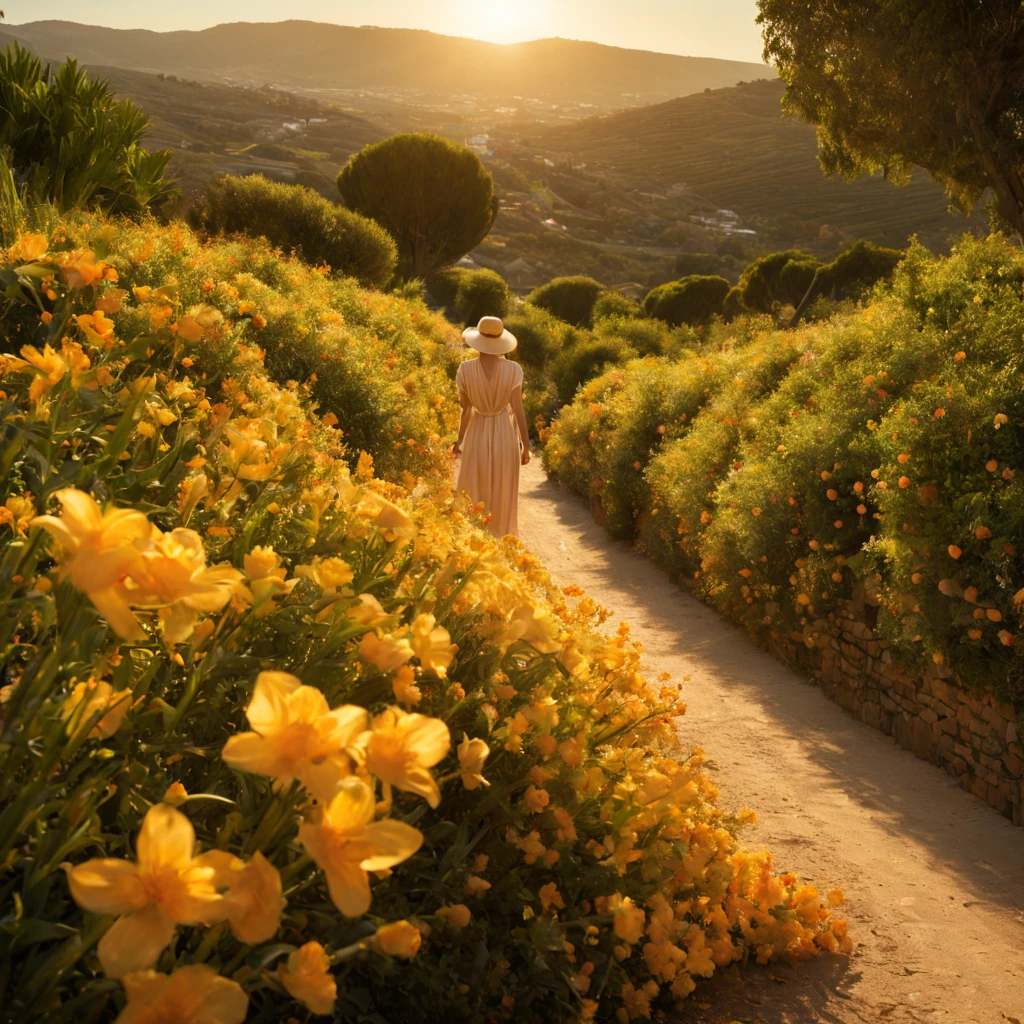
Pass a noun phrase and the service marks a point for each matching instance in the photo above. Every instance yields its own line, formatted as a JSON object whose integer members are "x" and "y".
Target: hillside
{"x": 734, "y": 148}
{"x": 216, "y": 129}
{"x": 308, "y": 55}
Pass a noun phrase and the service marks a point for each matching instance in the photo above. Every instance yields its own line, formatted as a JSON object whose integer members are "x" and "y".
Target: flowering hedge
{"x": 277, "y": 734}
{"x": 873, "y": 454}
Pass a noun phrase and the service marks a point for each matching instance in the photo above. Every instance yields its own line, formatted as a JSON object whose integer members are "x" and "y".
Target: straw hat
{"x": 490, "y": 336}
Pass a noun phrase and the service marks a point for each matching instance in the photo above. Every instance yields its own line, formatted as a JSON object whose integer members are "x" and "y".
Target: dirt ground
{"x": 934, "y": 878}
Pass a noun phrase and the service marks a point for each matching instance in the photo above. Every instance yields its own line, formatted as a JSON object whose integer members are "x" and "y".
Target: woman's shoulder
{"x": 464, "y": 367}
{"x": 517, "y": 372}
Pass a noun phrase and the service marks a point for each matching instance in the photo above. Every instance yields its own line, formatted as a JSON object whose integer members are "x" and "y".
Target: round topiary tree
{"x": 733, "y": 306}
{"x": 435, "y": 198}
{"x": 298, "y": 220}
{"x": 541, "y": 335}
{"x": 778, "y": 279}
{"x": 614, "y": 304}
{"x": 481, "y": 293}
{"x": 443, "y": 285}
{"x": 692, "y": 300}
{"x": 584, "y": 361}
{"x": 571, "y": 299}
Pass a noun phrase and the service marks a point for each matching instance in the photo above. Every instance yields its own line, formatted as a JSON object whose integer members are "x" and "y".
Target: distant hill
{"x": 734, "y": 148}
{"x": 310, "y": 55}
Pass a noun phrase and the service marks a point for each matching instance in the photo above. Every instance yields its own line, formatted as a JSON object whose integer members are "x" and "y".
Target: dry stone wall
{"x": 972, "y": 737}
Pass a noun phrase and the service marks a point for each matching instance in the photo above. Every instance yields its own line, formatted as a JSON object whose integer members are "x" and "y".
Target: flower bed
{"x": 275, "y": 733}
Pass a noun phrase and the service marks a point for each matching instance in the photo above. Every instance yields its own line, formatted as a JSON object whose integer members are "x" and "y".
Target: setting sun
{"x": 505, "y": 22}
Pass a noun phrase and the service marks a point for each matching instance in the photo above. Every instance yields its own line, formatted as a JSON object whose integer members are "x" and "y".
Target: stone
{"x": 948, "y": 725}
{"x": 921, "y": 740}
{"x": 888, "y": 703}
{"x": 929, "y": 716}
{"x": 1014, "y": 765}
{"x": 1011, "y": 732}
{"x": 871, "y": 714}
{"x": 991, "y": 747}
{"x": 963, "y": 715}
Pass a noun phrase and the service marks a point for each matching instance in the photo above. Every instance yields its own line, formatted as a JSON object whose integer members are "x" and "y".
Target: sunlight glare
{"x": 503, "y": 21}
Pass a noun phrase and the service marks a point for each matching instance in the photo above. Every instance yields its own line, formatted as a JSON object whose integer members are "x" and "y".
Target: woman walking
{"x": 493, "y": 426}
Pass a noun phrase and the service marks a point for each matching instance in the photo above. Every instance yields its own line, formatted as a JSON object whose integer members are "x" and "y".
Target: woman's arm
{"x": 467, "y": 415}
{"x": 520, "y": 414}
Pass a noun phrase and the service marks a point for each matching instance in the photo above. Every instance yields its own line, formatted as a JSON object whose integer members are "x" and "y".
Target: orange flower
{"x": 307, "y": 977}
{"x": 401, "y": 748}
{"x": 195, "y": 994}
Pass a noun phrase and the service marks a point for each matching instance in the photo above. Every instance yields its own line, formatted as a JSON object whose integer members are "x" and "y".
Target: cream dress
{"x": 490, "y": 451}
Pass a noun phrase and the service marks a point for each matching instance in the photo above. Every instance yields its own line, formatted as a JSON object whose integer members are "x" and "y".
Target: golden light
{"x": 503, "y": 22}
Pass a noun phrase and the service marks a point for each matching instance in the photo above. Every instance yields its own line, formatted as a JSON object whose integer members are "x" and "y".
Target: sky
{"x": 697, "y": 28}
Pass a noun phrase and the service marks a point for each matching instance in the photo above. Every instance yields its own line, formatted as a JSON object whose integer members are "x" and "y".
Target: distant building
{"x": 728, "y": 215}
{"x": 631, "y": 290}
{"x": 522, "y": 276}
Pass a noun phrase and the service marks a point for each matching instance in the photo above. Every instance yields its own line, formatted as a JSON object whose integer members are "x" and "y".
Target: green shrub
{"x": 481, "y": 293}
{"x": 584, "y": 360}
{"x": 612, "y": 304}
{"x": 541, "y": 335}
{"x": 692, "y": 300}
{"x": 870, "y": 456}
{"x": 434, "y": 196}
{"x": 72, "y": 143}
{"x": 648, "y": 337}
{"x": 733, "y": 306}
{"x": 298, "y": 220}
{"x": 571, "y": 299}
{"x": 778, "y": 279}
{"x": 443, "y": 285}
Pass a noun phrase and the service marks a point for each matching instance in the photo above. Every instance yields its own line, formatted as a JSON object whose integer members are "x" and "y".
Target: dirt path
{"x": 934, "y": 878}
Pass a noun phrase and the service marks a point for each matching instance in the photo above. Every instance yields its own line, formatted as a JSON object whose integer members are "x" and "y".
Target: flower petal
{"x": 111, "y": 604}
{"x": 428, "y": 738}
{"x": 307, "y": 704}
{"x": 421, "y": 782}
{"x": 352, "y": 807}
{"x": 349, "y": 886}
{"x": 250, "y": 752}
{"x": 348, "y": 722}
{"x": 268, "y": 710}
{"x": 167, "y": 839}
{"x": 135, "y": 941}
{"x": 393, "y": 842}
{"x": 107, "y": 886}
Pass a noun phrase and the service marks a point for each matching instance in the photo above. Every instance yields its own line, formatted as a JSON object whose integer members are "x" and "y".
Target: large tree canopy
{"x": 433, "y": 196}
{"x": 894, "y": 83}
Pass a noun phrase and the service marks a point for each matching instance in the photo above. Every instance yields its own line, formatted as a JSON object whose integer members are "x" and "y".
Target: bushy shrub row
{"x": 297, "y": 219}
{"x": 495, "y": 818}
{"x": 871, "y": 455}
{"x": 379, "y": 365}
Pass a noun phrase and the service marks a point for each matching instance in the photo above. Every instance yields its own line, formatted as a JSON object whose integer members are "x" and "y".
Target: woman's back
{"x": 489, "y": 395}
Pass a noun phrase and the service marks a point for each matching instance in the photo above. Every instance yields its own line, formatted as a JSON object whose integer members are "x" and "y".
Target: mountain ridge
{"x": 316, "y": 55}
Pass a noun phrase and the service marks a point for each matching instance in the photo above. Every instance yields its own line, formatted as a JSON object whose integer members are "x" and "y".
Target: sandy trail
{"x": 934, "y": 878}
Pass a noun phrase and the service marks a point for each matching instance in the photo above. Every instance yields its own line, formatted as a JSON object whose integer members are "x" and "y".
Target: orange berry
{"x": 960, "y": 356}
{"x": 974, "y": 634}
{"x": 939, "y": 413}
{"x": 904, "y": 482}
{"x": 831, "y": 494}
{"x": 916, "y": 578}
{"x": 994, "y": 615}
{"x": 983, "y": 533}
{"x": 903, "y": 458}
{"x": 991, "y": 465}
{"x": 861, "y": 509}
{"x": 954, "y": 551}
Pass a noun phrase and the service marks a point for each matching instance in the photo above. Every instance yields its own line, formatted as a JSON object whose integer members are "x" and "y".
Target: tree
{"x": 778, "y": 279}
{"x": 850, "y": 274}
{"x": 571, "y": 299}
{"x": 614, "y": 304}
{"x": 433, "y": 196}
{"x": 481, "y": 293}
{"x": 299, "y": 220}
{"x": 894, "y": 83}
{"x": 692, "y": 300}
{"x": 71, "y": 143}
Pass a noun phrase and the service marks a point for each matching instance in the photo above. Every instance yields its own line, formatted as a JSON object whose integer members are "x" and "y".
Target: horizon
{"x": 653, "y": 26}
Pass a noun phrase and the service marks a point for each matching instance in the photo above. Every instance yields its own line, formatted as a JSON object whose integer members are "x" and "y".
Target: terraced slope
{"x": 734, "y": 147}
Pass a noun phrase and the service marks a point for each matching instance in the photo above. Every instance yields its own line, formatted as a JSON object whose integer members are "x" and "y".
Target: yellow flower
{"x": 550, "y": 897}
{"x": 81, "y": 269}
{"x": 536, "y": 799}
{"x": 252, "y": 901}
{"x": 400, "y": 938}
{"x": 400, "y": 749}
{"x": 175, "y": 795}
{"x": 49, "y": 366}
{"x": 17, "y": 512}
{"x": 296, "y": 736}
{"x": 368, "y": 611}
{"x": 458, "y": 916}
{"x": 93, "y": 696}
{"x": 534, "y": 625}
{"x": 432, "y": 644}
{"x": 166, "y": 887}
{"x": 472, "y": 754}
{"x": 103, "y": 549}
{"x": 630, "y": 921}
{"x": 28, "y": 248}
{"x": 172, "y": 574}
{"x": 327, "y": 573}
{"x": 403, "y": 682}
{"x": 385, "y": 652}
{"x": 307, "y": 976}
{"x": 347, "y": 844}
{"x": 195, "y": 994}
{"x": 393, "y": 523}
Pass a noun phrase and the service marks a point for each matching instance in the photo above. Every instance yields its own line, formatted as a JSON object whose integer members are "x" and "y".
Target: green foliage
{"x": 778, "y": 279}
{"x": 443, "y": 285}
{"x": 733, "y": 306}
{"x": 692, "y": 300}
{"x": 705, "y": 264}
{"x": 854, "y": 271}
{"x": 540, "y": 334}
{"x": 648, "y": 337}
{"x": 582, "y": 361}
{"x": 433, "y": 196}
{"x": 614, "y": 304}
{"x": 299, "y": 220}
{"x": 481, "y": 293}
{"x": 845, "y": 459}
{"x": 71, "y": 143}
{"x": 571, "y": 299}
{"x": 948, "y": 102}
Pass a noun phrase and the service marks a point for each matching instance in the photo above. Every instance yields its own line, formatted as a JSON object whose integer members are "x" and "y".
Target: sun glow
{"x": 504, "y": 22}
